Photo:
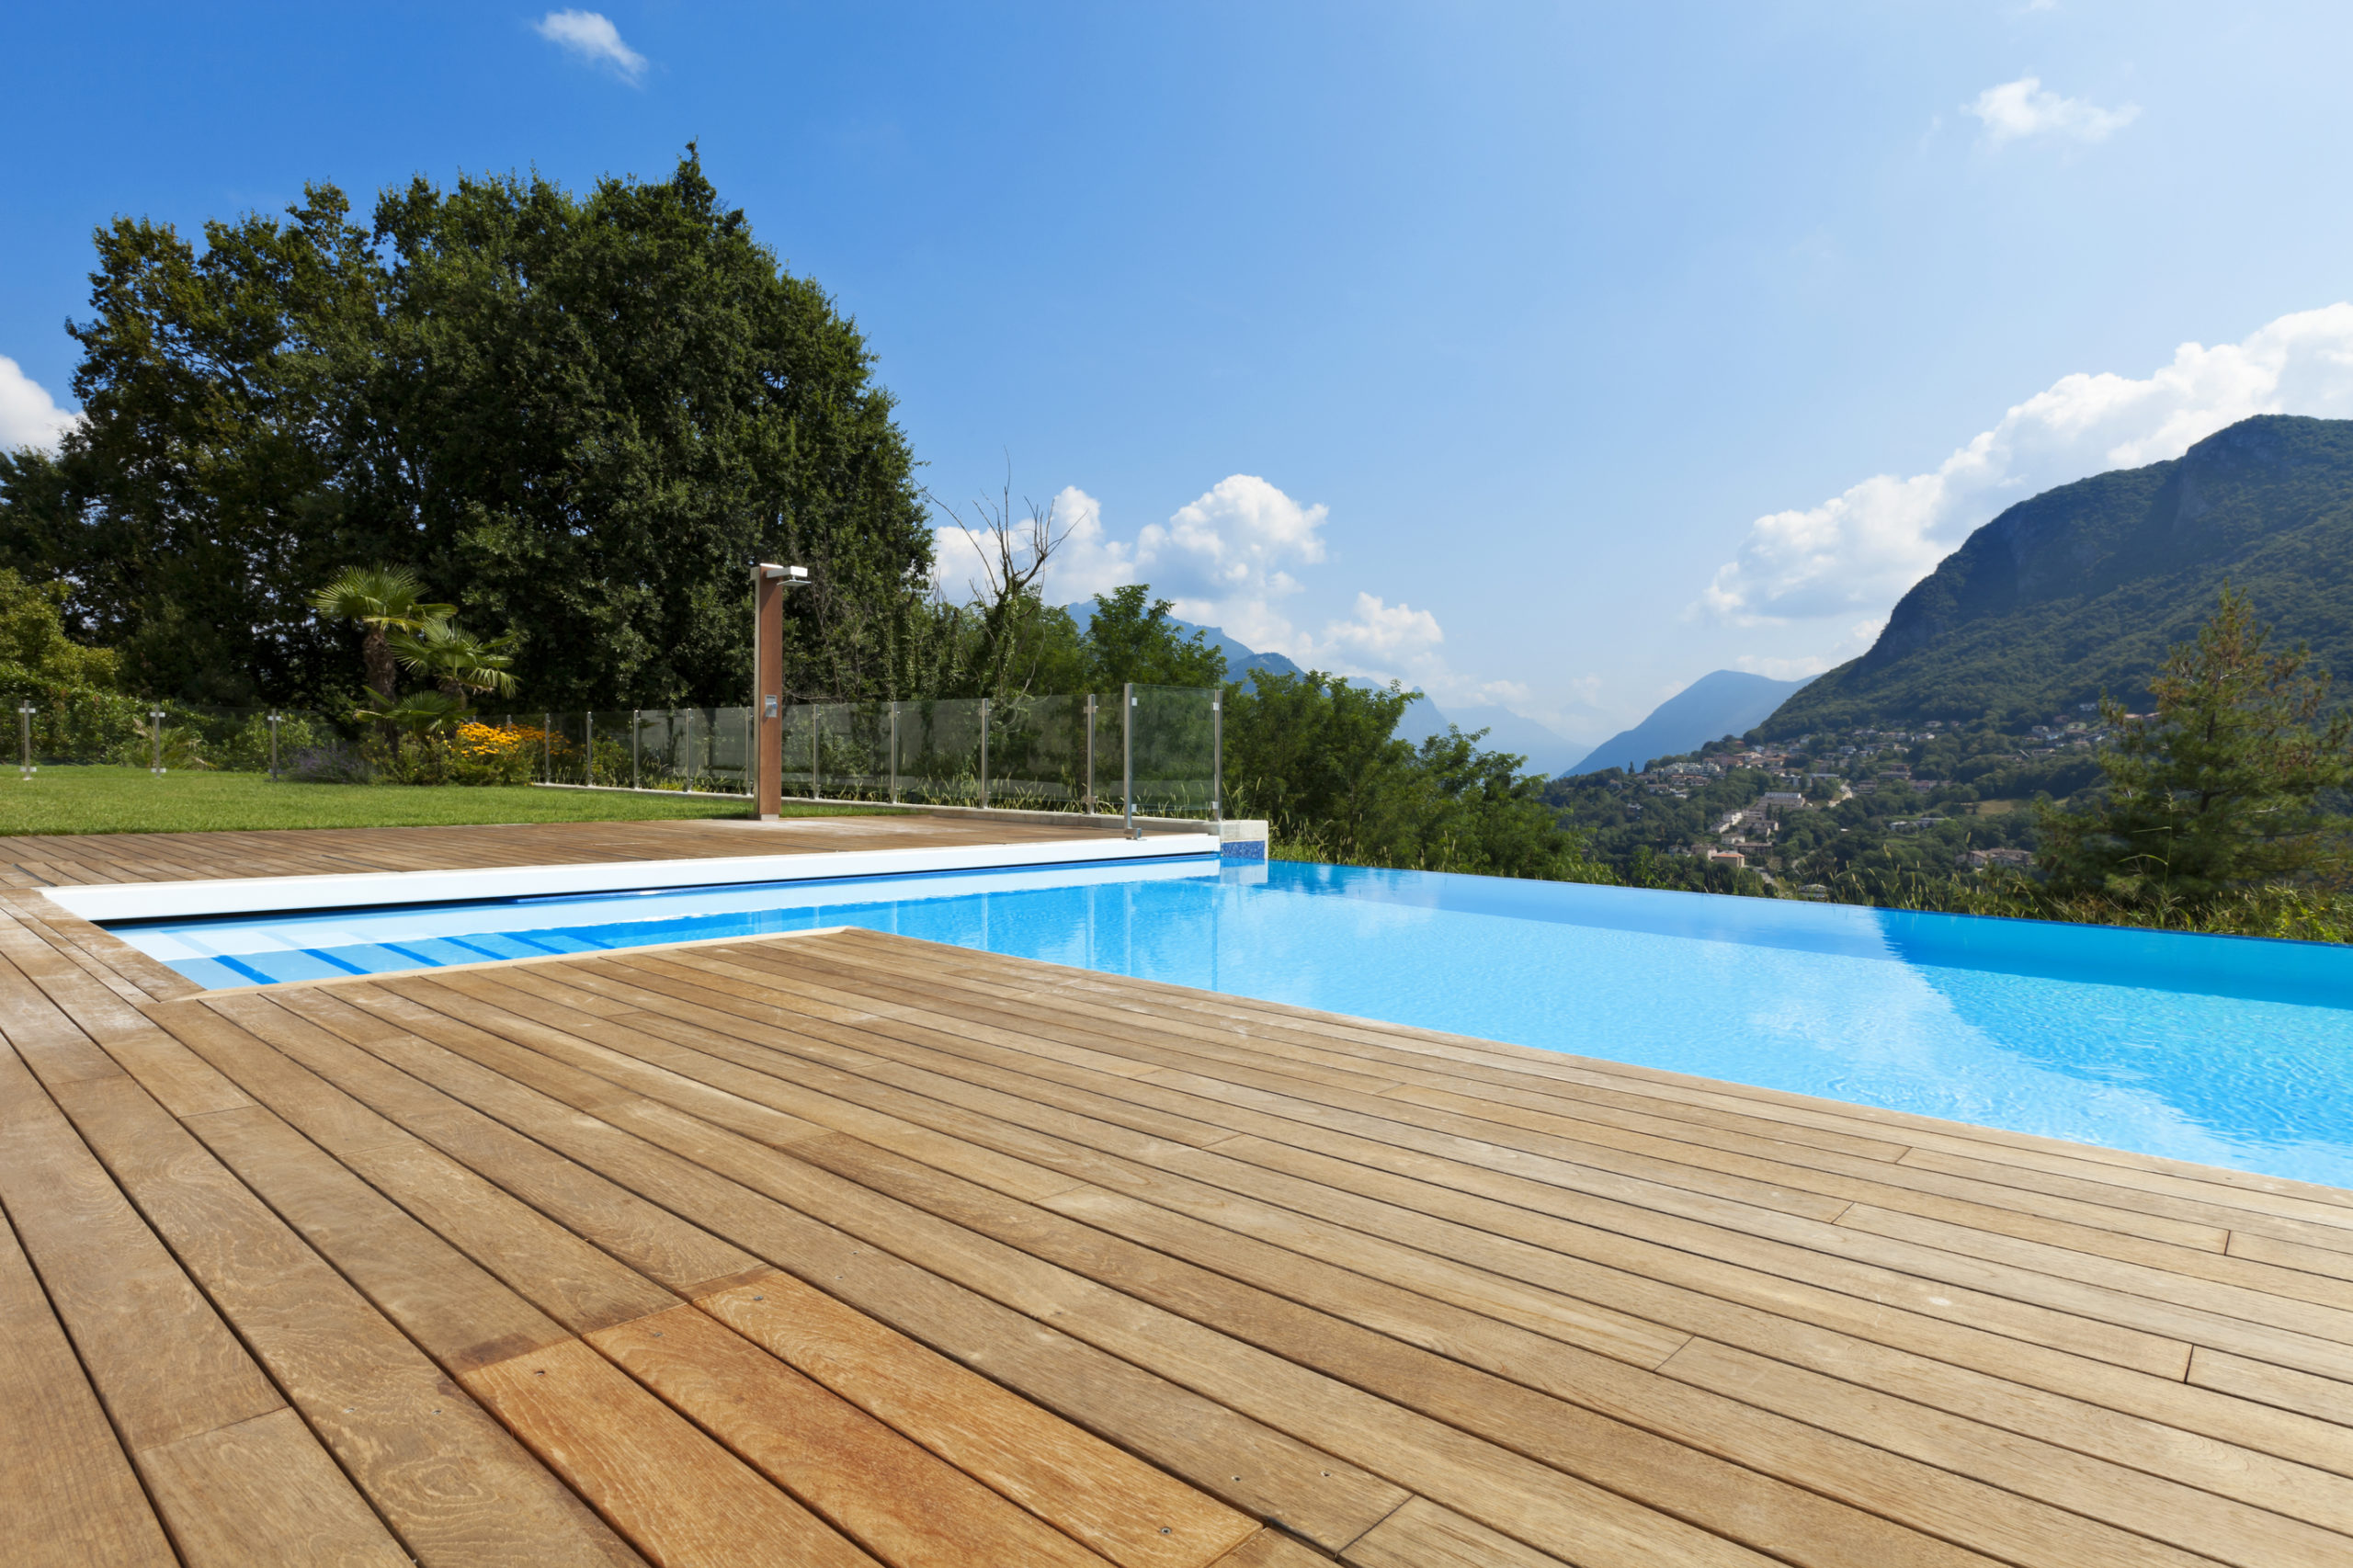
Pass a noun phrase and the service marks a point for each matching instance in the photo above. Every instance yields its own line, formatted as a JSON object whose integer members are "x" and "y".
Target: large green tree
{"x": 580, "y": 417}
{"x": 2224, "y": 787}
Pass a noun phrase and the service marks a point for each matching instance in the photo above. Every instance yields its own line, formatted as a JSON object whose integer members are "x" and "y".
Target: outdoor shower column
{"x": 768, "y": 688}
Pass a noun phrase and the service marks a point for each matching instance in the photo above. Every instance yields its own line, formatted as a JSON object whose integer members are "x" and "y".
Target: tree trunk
{"x": 376, "y": 657}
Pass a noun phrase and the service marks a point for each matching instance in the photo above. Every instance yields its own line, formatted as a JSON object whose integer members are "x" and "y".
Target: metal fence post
{"x": 547, "y": 746}
{"x": 816, "y": 747}
{"x": 636, "y": 743}
{"x": 1217, "y": 757}
{"x": 1128, "y": 755}
{"x": 25, "y": 738}
{"x": 274, "y": 718}
{"x": 1089, "y": 793}
{"x": 894, "y": 752}
{"x": 156, "y": 719}
{"x": 588, "y": 747}
{"x": 688, "y": 751}
{"x": 984, "y": 754}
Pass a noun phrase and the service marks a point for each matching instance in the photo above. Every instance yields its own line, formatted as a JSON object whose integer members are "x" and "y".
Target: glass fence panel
{"x": 854, "y": 751}
{"x": 804, "y": 730}
{"x": 661, "y": 736}
{"x": 1172, "y": 744}
{"x": 608, "y": 751}
{"x": 125, "y": 731}
{"x": 726, "y": 760}
{"x": 1038, "y": 754}
{"x": 561, "y": 754}
{"x": 939, "y": 752}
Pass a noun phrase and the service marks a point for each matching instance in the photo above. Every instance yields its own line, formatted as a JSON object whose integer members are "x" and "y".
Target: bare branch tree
{"x": 1013, "y": 550}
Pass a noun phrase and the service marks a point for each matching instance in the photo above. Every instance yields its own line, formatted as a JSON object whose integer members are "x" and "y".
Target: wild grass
{"x": 2292, "y": 912}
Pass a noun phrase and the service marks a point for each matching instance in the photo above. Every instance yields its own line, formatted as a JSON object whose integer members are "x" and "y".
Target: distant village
{"x": 1817, "y": 771}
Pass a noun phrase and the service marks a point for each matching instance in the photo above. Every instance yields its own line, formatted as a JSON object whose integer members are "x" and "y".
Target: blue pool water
{"x": 2225, "y": 1050}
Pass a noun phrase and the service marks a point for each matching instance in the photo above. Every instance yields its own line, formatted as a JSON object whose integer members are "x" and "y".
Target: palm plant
{"x": 384, "y": 599}
{"x": 418, "y": 714}
{"x": 455, "y": 659}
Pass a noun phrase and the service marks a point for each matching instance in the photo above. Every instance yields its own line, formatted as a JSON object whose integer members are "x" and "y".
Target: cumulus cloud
{"x": 1232, "y": 558}
{"x": 589, "y": 37}
{"x": 28, "y": 416}
{"x": 2018, "y": 110}
{"x": 1858, "y": 550}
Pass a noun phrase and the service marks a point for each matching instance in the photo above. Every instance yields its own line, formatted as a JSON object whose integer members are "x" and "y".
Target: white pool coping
{"x": 254, "y": 896}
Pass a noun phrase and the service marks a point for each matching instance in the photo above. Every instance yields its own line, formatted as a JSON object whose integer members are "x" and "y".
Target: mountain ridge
{"x": 2079, "y": 591}
{"x": 1720, "y": 703}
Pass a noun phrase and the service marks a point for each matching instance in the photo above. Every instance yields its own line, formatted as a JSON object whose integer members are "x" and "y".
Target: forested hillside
{"x": 2080, "y": 591}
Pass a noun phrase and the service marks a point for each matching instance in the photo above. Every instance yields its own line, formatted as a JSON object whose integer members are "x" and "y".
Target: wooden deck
{"x": 41, "y": 860}
{"x": 847, "y": 1248}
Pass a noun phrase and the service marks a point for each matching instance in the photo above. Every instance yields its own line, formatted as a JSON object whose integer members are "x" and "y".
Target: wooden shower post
{"x": 767, "y": 687}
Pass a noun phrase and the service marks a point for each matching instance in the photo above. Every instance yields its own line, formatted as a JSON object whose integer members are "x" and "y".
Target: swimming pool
{"x": 2226, "y": 1049}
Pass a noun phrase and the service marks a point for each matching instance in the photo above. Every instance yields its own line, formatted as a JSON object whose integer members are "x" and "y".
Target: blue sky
{"x": 1545, "y": 354}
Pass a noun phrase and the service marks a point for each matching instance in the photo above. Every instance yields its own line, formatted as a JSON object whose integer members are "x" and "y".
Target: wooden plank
{"x": 678, "y": 1495}
{"x": 1269, "y": 1548}
{"x": 1604, "y": 1527}
{"x": 807, "y": 1107}
{"x": 433, "y": 1467}
{"x": 1271, "y": 1474}
{"x": 2174, "y": 1386}
{"x": 2123, "y": 1167}
{"x": 1685, "y": 1472}
{"x": 1423, "y": 1535}
{"x": 648, "y": 1237}
{"x": 574, "y": 1283}
{"x": 1956, "y": 1204}
{"x": 1093, "y": 1492}
{"x": 2325, "y": 1398}
{"x": 73, "y": 1498}
{"x": 2128, "y": 1261}
{"x": 1614, "y": 1333}
{"x": 2080, "y": 1230}
{"x": 263, "y": 1491}
{"x": 901, "y": 1503}
{"x": 453, "y": 1309}
{"x": 163, "y": 1363}
{"x": 2233, "y": 1463}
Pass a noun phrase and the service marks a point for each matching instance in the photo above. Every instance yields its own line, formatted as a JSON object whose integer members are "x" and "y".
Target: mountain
{"x": 2079, "y": 591}
{"x": 1729, "y": 702}
{"x": 1547, "y": 750}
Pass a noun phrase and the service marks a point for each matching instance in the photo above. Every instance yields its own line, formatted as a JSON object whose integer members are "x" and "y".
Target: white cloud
{"x": 1861, "y": 549}
{"x": 1230, "y": 552}
{"x": 28, "y": 416}
{"x": 1378, "y": 638}
{"x": 2024, "y": 107}
{"x": 1084, "y": 564}
{"x": 1230, "y": 558}
{"x": 590, "y": 36}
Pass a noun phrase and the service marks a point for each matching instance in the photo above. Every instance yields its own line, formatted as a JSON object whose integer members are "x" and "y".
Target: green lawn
{"x": 131, "y": 799}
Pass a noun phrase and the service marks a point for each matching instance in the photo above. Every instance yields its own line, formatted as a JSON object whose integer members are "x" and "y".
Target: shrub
{"x": 337, "y": 762}
{"x": 485, "y": 754}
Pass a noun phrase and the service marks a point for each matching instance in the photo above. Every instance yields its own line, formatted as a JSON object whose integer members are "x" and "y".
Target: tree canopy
{"x": 2222, "y": 788}
{"x": 580, "y": 418}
